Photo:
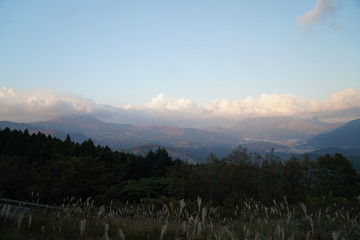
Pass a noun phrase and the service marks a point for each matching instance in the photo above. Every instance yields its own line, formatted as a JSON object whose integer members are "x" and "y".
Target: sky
{"x": 183, "y": 62}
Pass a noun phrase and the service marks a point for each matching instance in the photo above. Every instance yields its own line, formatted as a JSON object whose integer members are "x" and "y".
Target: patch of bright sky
{"x": 127, "y": 52}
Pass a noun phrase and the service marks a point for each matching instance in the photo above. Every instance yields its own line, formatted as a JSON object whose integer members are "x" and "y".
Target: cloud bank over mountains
{"x": 27, "y": 106}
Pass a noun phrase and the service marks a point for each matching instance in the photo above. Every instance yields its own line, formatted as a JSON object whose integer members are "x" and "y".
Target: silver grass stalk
{"x": 182, "y": 205}
{"x": 121, "y": 234}
{"x": 7, "y": 212}
{"x": 203, "y": 215}
{"x": 199, "y": 229}
{"x": 82, "y": 226}
{"x": 199, "y": 202}
{"x": 231, "y": 234}
{"x": 19, "y": 220}
{"x": 335, "y": 235}
{"x": 163, "y": 230}
{"x": 30, "y": 220}
{"x": 106, "y": 235}
{"x": 100, "y": 213}
{"x": 3, "y": 210}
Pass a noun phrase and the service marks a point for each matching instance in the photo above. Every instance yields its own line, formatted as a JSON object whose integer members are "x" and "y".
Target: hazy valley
{"x": 287, "y": 136}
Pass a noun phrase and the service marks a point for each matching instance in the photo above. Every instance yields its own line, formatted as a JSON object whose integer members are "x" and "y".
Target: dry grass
{"x": 84, "y": 220}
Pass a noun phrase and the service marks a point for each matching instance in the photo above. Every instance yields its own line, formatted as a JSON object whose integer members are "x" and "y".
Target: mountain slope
{"x": 124, "y": 136}
{"x": 17, "y": 126}
{"x": 75, "y": 136}
{"x": 281, "y": 127}
{"x": 346, "y": 136}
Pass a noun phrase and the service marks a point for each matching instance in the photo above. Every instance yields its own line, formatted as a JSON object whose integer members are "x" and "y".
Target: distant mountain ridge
{"x": 287, "y": 136}
{"x": 346, "y": 136}
{"x": 18, "y": 126}
{"x": 76, "y": 136}
{"x": 123, "y": 136}
{"x": 282, "y": 127}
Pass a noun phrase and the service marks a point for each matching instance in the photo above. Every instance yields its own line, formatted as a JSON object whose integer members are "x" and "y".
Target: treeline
{"x": 56, "y": 169}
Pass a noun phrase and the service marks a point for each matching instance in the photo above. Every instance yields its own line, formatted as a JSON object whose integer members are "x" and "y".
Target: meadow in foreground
{"x": 181, "y": 221}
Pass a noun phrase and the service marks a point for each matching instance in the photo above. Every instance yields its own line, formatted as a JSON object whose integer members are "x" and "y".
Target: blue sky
{"x": 131, "y": 53}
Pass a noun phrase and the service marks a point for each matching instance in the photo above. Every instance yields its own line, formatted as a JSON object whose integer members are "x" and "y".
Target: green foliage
{"x": 58, "y": 169}
{"x": 146, "y": 188}
{"x": 337, "y": 176}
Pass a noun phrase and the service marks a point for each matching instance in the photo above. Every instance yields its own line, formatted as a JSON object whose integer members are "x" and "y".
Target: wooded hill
{"x": 56, "y": 169}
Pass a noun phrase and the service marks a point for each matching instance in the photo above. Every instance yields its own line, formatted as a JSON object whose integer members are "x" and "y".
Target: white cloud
{"x": 266, "y": 105}
{"x": 322, "y": 9}
{"x": 29, "y": 106}
{"x": 44, "y": 104}
{"x": 173, "y": 104}
{"x": 344, "y": 100}
{"x": 5, "y": 92}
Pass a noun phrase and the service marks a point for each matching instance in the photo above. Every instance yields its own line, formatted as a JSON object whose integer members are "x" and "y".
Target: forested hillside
{"x": 54, "y": 168}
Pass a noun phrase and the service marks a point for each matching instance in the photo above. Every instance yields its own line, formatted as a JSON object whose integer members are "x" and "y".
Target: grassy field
{"x": 181, "y": 221}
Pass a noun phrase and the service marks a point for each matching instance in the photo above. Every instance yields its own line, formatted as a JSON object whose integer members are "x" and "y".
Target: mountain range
{"x": 282, "y": 127}
{"x": 288, "y": 136}
{"x": 347, "y": 137}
